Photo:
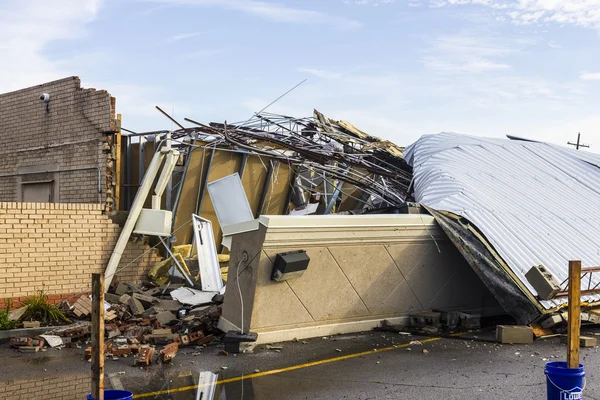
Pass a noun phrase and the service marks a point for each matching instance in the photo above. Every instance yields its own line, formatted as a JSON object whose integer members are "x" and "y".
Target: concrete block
{"x": 469, "y": 321}
{"x": 169, "y": 305}
{"x": 514, "y": 334}
{"x": 152, "y": 311}
{"x": 450, "y": 319}
{"x": 425, "y": 319}
{"x": 543, "y": 282}
{"x": 164, "y": 317}
{"x": 590, "y": 317}
{"x": 584, "y": 341}
{"x": 122, "y": 289}
{"x": 124, "y": 299}
{"x": 152, "y": 292}
{"x": 112, "y": 298}
{"x": 551, "y": 321}
{"x": 161, "y": 331}
{"x": 135, "y": 306}
{"x": 147, "y": 301}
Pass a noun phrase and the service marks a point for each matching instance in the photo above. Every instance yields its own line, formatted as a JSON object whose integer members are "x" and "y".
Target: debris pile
{"x": 151, "y": 326}
{"x": 142, "y": 322}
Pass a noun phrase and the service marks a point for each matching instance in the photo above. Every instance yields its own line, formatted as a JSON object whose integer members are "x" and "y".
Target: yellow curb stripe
{"x": 286, "y": 369}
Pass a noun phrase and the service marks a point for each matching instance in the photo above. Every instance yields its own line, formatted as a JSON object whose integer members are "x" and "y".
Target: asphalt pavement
{"x": 372, "y": 365}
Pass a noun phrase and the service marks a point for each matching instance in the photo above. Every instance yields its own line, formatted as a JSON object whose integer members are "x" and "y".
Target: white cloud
{"x": 470, "y": 53}
{"x": 585, "y": 13}
{"x": 473, "y": 65}
{"x": 27, "y": 27}
{"x": 590, "y": 76}
{"x": 320, "y": 73}
{"x": 272, "y": 11}
{"x": 182, "y": 36}
{"x": 554, "y": 45}
{"x": 369, "y": 2}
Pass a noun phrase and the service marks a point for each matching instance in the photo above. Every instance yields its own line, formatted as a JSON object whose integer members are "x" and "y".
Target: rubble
{"x": 131, "y": 330}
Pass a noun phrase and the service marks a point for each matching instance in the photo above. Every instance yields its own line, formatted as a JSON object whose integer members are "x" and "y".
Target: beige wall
{"x": 58, "y": 246}
{"x": 361, "y": 268}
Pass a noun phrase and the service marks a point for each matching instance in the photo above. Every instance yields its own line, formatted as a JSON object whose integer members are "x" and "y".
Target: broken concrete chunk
{"x": 469, "y": 321}
{"x": 135, "y": 306}
{"x": 551, "y": 321}
{"x": 165, "y": 317}
{"x": 169, "y": 305}
{"x": 151, "y": 311}
{"x": 425, "y": 319}
{"x": 152, "y": 292}
{"x": 112, "y": 298}
{"x": 147, "y": 301}
{"x": 430, "y": 329}
{"x": 218, "y": 298}
{"x": 29, "y": 349}
{"x": 514, "y": 334}
{"x": 121, "y": 289}
{"x": 133, "y": 288}
{"x": 584, "y": 341}
{"x": 124, "y": 299}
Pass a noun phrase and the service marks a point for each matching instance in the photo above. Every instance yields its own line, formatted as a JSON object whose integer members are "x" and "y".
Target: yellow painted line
{"x": 287, "y": 369}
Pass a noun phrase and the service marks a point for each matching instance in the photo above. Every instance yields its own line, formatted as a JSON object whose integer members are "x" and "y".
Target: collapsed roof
{"x": 509, "y": 206}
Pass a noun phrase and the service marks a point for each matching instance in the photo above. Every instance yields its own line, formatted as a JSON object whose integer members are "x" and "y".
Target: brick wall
{"x": 58, "y": 246}
{"x": 62, "y": 387}
{"x": 70, "y": 134}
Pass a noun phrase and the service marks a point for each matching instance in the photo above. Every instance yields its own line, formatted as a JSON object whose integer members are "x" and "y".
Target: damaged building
{"x": 308, "y": 226}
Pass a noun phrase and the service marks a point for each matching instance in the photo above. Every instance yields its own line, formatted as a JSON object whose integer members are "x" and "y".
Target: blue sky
{"x": 397, "y": 69}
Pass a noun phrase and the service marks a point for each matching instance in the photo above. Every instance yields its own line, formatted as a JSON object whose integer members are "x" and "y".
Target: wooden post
{"x": 574, "y": 314}
{"x": 98, "y": 336}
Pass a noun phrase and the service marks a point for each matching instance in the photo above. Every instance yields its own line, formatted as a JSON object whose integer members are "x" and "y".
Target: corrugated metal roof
{"x": 536, "y": 203}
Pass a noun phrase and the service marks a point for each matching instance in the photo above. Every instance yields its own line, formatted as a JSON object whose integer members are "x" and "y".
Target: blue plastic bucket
{"x": 114, "y": 395}
{"x": 564, "y": 383}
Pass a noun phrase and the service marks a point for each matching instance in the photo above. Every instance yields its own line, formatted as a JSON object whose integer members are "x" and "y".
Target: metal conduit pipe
{"x": 51, "y": 171}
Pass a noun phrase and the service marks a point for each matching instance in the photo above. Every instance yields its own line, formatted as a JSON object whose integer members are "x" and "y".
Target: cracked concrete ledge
{"x": 6, "y": 335}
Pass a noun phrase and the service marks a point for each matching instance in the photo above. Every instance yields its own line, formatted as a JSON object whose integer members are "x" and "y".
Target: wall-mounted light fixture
{"x": 289, "y": 265}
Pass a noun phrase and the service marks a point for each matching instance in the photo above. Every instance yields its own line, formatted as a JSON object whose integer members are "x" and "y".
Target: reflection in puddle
{"x": 187, "y": 386}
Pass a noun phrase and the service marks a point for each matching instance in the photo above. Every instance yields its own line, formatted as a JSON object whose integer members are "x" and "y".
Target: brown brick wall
{"x": 62, "y": 387}
{"x": 58, "y": 246}
{"x": 70, "y": 135}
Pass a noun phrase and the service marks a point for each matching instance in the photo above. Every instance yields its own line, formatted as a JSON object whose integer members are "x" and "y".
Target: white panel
{"x": 208, "y": 260}
{"x": 229, "y": 200}
{"x": 154, "y": 222}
